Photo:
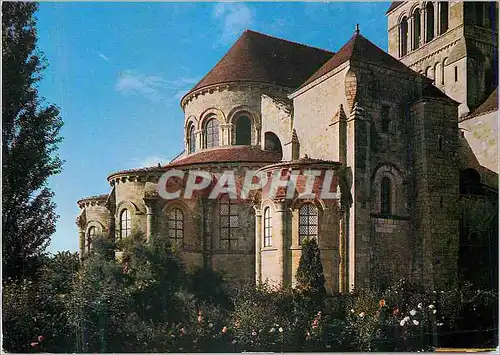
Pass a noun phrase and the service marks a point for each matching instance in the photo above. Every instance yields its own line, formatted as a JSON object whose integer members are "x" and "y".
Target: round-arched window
{"x": 308, "y": 221}
{"x": 212, "y": 133}
{"x": 125, "y": 223}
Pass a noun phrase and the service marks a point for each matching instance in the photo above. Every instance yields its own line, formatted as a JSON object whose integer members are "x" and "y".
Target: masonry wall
{"x": 277, "y": 118}
{"x": 224, "y": 103}
{"x": 314, "y": 111}
{"x": 481, "y": 133}
{"x": 435, "y": 193}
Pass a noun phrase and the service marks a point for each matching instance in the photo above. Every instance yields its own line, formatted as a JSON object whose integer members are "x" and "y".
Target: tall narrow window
{"x": 191, "y": 140}
{"x": 308, "y": 221}
{"x": 212, "y": 133}
{"x": 416, "y": 29}
{"x": 176, "y": 226}
{"x": 443, "y": 17}
{"x": 125, "y": 224}
{"x": 228, "y": 223}
{"x": 430, "y": 21}
{"x": 403, "y": 37}
{"x": 385, "y": 196}
{"x": 243, "y": 130}
{"x": 456, "y": 73}
{"x": 267, "y": 228}
{"x": 90, "y": 238}
{"x": 384, "y": 118}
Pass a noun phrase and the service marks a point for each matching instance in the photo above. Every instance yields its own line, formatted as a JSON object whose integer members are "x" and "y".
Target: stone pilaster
{"x": 258, "y": 244}
{"x": 279, "y": 228}
{"x": 343, "y": 286}
{"x": 80, "y": 223}
{"x": 150, "y": 218}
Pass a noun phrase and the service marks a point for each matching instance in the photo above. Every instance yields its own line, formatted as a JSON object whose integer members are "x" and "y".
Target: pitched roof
{"x": 360, "y": 49}
{"x": 394, "y": 4}
{"x": 256, "y": 57}
{"x": 229, "y": 154}
{"x": 431, "y": 91}
{"x": 489, "y": 105}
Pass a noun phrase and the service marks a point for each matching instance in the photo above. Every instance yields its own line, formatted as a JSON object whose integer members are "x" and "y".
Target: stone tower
{"x": 452, "y": 43}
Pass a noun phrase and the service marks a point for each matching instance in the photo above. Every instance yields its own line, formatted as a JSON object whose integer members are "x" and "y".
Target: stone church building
{"x": 411, "y": 134}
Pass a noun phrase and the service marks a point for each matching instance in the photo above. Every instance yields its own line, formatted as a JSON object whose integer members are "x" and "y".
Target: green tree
{"x": 30, "y": 134}
{"x": 310, "y": 275}
{"x": 98, "y": 308}
{"x": 34, "y": 308}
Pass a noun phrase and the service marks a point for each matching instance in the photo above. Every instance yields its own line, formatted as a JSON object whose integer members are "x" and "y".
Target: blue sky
{"x": 118, "y": 71}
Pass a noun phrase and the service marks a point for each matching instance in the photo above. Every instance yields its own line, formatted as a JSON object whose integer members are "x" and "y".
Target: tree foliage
{"x": 30, "y": 135}
{"x": 34, "y": 308}
{"x": 310, "y": 275}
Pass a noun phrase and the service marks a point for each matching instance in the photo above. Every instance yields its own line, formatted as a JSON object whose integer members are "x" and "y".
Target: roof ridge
{"x": 289, "y": 41}
{"x": 352, "y": 50}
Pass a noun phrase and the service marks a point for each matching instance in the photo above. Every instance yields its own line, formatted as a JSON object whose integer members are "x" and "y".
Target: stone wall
{"x": 226, "y": 103}
{"x": 314, "y": 112}
{"x": 481, "y": 133}
{"x": 435, "y": 193}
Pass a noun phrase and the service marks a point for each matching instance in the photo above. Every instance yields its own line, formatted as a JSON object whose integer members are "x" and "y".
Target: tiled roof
{"x": 229, "y": 154}
{"x": 362, "y": 50}
{"x": 489, "y": 105}
{"x": 394, "y": 4}
{"x": 256, "y": 57}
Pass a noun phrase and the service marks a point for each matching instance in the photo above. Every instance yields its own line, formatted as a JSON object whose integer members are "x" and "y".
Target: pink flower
{"x": 315, "y": 323}
{"x": 224, "y": 330}
{"x": 34, "y": 344}
{"x": 200, "y": 319}
{"x": 254, "y": 333}
{"x": 41, "y": 338}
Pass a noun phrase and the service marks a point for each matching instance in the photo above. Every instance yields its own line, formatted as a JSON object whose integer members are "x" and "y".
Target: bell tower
{"x": 452, "y": 43}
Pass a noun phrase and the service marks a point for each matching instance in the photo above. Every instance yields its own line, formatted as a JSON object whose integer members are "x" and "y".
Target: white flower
{"x": 352, "y": 310}
{"x": 273, "y": 329}
{"x": 210, "y": 325}
{"x": 434, "y": 312}
{"x": 402, "y": 323}
{"x": 406, "y": 319}
{"x": 431, "y": 306}
{"x": 415, "y": 322}
{"x": 439, "y": 324}
{"x": 413, "y": 312}
{"x": 420, "y": 305}
{"x": 362, "y": 314}
{"x": 280, "y": 330}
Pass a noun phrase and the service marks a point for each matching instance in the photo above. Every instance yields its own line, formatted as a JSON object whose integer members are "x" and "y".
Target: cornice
{"x": 233, "y": 86}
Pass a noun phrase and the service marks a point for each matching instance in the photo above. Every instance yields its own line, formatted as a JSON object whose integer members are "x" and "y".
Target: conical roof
{"x": 362, "y": 50}
{"x": 256, "y": 57}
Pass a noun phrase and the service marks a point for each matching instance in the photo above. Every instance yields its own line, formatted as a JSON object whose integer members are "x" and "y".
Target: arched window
{"x": 243, "y": 131}
{"x": 176, "y": 226}
{"x": 308, "y": 221}
{"x": 191, "y": 140}
{"x": 267, "y": 228}
{"x": 403, "y": 37}
{"x": 212, "y": 133}
{"x": 272, "y": 142}
{"x": 385, "y": 196}
{"x": 438, "y": 79}
{"x": 416, "y": 29}
{"x": 125, "y": 223}
{"x": 429, "y": 8}
{"x": 90, "y": 238}
{"x": 443, "y": 17}
{"x": 228, "y": 223}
